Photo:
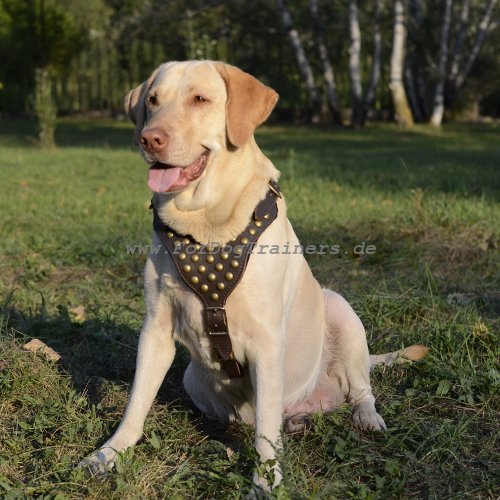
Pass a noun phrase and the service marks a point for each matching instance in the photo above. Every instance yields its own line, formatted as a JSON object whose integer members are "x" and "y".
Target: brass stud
{"x": 244, "y": 240}
{"x": 266, "y": 216}
{"x": 219, "y": 266}
{"x": 211, "y": 277}
{"x": 238, "y": 250}
{"x": 170, "y": 234}
{"x": 195, "y": 258}
{"x": 186, "y": 241}
{"x": 177, "y": 243}
{"x": 187, "y": 268}
{"x": 214, "y": 296}
{"x": 202, "y": 269}
{"x": 252, "y": 231}
{"x": 234, "y": 264}
{"x": 220, "y": 286}
{"x": 195, "y": 280}
{"x": 229, "y": 276}
{"x": 197, "y": 246}
{"x": 204, "y": 288}
{"x": 182, "y": 256}
{"x": 224, "y": 256}
{"x": 210, "y": 259}
{"x": 258, "y": 223}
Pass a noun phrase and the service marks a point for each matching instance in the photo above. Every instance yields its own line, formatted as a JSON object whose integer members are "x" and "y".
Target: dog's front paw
{"x": 261, "y": 484}
{"x": 366, "y": 418}
{"x": 99, "y": 463}
{"x": 267, "y": 476}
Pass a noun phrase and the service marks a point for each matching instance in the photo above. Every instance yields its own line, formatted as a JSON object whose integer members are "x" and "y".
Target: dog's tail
{"x": 406, "y": 355}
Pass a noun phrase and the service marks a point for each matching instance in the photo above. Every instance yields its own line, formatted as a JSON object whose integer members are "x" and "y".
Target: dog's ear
{"x": 249, "y": 103}
{"x": 135, "y": 107}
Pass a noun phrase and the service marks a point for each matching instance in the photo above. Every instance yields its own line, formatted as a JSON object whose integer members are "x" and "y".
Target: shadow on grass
{"x": 75, "y": 133}
{"x": 95, "y": 352}
{"x": 456, "y": 267}
{"x": 460, "y": 159}
{"x": 394, "y": 161}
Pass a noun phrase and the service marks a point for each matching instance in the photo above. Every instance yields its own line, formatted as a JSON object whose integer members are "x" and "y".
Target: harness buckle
{"x": 215, "y": 328}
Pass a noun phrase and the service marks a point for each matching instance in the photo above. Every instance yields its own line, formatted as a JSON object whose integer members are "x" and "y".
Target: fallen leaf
{"x": 77, "y": 314}
{"x": 36, "y": 345}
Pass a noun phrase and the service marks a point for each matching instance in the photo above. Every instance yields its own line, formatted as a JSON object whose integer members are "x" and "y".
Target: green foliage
{"x": 98, "y": 49}
{"x": 427, "y": 201}
{"x": 33, "y": 34}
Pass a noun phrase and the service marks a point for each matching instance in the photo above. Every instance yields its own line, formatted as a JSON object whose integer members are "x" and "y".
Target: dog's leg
{"x": 205, "y": 392}
{"x": 350, "y": 363}
{"x": 267, "y": 373}
{"x": 155, "y": 355}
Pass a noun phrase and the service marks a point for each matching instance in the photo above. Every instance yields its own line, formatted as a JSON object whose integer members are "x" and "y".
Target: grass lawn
{"x": 426, "y": 200}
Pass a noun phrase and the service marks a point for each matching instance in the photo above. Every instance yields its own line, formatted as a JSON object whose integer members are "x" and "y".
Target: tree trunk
{"x": 301, "y": 57}
{"x": 412, "y": 94}
{"x": 456, "y": 53}
{"x": 414, "y": 74}
{"x": 438, "y": 103}
{"x": 355, "y": 65}
{"x": 377, "y": 56}
{"x": 333, "y": 102}
{"x": 402, "y": 109}
{"x": 478, "y": 43}
{"x": 45, "y": 108}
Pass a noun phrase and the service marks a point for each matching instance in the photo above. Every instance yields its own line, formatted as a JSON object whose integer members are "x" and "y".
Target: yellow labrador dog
{"x": 303, "y": 348}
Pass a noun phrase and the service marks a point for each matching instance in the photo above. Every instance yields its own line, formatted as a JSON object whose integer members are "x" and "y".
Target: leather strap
{"x": 212, "y": 272}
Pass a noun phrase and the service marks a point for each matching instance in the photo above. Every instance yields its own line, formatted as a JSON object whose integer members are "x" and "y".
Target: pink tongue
{"x": 160, "y": 180}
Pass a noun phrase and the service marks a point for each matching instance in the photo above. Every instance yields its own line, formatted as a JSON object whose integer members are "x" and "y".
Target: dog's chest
{"x": 167, "y": 294}
{"x": 211, "y": 272}
{"x": 187, "y": 312}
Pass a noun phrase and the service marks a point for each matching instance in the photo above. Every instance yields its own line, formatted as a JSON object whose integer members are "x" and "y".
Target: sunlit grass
{"x": 427, "y": 201}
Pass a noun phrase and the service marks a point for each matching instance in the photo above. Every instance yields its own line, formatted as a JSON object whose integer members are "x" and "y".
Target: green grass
{"x": 427, "y": 200}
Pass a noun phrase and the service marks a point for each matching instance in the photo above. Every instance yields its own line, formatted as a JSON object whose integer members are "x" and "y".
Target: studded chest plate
{"x": 213, "y": 271}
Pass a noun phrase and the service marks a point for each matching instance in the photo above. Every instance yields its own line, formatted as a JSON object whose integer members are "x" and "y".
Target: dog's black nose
{"x": 154, "y": 140}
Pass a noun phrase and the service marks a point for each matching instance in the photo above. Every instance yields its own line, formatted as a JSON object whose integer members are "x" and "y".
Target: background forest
{"x": 337, "y": 61}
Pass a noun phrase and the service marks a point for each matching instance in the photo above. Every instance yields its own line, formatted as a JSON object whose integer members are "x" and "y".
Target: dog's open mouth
{"x": 164, "y": 178}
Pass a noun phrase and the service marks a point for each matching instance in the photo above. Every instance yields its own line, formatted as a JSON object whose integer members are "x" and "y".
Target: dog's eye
{"x": 153, "y": 100}
{"x": 198, "y": 99}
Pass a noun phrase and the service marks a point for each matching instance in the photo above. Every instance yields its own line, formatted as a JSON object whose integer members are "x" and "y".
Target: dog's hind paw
{"x": 366, "y": 418}
{"x": 297, "y": 423}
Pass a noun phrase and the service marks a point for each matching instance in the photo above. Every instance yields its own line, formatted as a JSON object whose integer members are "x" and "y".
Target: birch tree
{"x": 480, "y": 37}
{"x": 456, "y": 53}
{"x": 328, "y": 74}
{"x": 438, "y": 103}
{"x": 411, "y": 91}
{"x": 301, "y": 57}
{"x": 415, "y": 81}
{"x": 377, "y": 60}
{"x": 402, "y": 109}
{"x": 361, "y": 103}
{"x": 355, "y": 65}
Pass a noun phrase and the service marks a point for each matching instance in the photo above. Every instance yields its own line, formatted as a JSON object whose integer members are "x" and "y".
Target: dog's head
{"x": 188, "y": 112}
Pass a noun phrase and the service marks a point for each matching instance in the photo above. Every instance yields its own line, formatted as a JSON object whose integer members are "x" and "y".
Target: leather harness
{"x": 212, "y": 272}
